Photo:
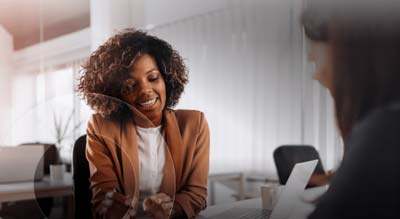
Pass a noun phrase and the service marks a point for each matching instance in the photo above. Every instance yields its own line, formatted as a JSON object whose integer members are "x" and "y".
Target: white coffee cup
{"x": 57, "y": 172}
{"x": 269, "y": 195}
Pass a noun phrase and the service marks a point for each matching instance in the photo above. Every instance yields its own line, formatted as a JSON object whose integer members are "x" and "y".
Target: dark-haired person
{"x": 358, "y": 53}
{"x": 140, "y": 151}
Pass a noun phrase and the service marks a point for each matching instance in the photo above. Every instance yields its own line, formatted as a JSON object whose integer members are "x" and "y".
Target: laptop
{"x": 21, "y": 164}
{"x": 286, "y": 202}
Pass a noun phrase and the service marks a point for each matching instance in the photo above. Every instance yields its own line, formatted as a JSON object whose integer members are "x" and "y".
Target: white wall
{"x": 41, "y": 90}
{"x": 6, "y": 70}
{"x": 108, "y": 17}
{"x": 249, "y": 75}
{"x": 161, "y": 12}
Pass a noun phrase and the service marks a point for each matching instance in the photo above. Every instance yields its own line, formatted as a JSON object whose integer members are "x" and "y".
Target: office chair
{"x": 82, "y": 192}
{"x": 286, "y": 156}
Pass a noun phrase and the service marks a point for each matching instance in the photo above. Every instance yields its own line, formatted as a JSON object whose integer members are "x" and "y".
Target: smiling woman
{"x": 145, "y": 159}
{"x": 147, "y": 91}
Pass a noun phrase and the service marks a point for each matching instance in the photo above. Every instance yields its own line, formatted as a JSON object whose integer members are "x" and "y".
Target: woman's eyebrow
{"x": 151, "y": 70}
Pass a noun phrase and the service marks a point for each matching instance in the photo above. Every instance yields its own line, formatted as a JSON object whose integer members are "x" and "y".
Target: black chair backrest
{"x": 82, "y": 192}
{"x": 286, "y": 156}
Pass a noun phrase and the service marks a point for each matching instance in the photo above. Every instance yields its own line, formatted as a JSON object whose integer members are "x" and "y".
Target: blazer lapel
{"x": 129, "y": 151}
{"x": 174, "y": 155}
{"x": 130, "y": 160}
{"x": 168, "y": 182}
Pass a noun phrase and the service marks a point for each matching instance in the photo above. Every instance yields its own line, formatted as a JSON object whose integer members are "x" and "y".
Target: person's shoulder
{"x": 378, "y": 130}
{"x": 186, "y": 117}
{"x": 99, "y": 120}
{"x": 380, "y": 120}
{"x": 187, "y": 113}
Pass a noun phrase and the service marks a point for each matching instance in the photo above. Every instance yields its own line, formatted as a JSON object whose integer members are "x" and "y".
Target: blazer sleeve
{"x": 103, "y": 177}
{"x": 192, "y": 198}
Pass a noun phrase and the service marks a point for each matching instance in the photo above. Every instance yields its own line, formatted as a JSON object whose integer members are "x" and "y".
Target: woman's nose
{"x": 145, "y": 88}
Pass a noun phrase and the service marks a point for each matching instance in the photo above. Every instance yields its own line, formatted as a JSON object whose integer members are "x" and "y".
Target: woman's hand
{"x": 114, "y": 197}
{"x": 159, "y": 205}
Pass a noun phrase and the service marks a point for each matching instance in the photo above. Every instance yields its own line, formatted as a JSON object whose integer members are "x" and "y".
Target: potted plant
{"x": 64, "y": 130}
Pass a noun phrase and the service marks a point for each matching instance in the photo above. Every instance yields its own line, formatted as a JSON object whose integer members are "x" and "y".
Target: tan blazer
{"x": 112, "y": 152}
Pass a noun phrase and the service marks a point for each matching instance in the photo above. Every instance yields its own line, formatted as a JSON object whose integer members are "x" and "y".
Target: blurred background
{"x": 248, "y": 73}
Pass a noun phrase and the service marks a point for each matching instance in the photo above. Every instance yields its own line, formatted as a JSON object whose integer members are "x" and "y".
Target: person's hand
{"x": 159, "y": 205}
{"x": 114, "y": 197}
{"x": 321, "y": 179}
{"x": 330, "y": 174}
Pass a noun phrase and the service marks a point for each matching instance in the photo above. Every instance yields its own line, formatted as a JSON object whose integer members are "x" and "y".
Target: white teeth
{"x": 149, "y": 102}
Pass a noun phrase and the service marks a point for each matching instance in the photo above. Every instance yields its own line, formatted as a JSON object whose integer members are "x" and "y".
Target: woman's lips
{"x": 148, "y": 103}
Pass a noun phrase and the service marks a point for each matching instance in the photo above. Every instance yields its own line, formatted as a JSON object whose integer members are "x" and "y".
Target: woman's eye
{"x": 153, "y": 79}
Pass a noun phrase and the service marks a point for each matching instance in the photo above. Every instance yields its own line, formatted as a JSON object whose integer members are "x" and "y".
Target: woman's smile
{"x": 147, "y": 104}
{"x": 148, "y": 93}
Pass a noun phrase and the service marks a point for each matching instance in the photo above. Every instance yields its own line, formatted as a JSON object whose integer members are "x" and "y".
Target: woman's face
{"x": 320, "y": 55}
{"x": 148, "y": 88}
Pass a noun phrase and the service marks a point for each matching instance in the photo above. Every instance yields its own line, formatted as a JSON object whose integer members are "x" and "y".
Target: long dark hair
{"x": 365, "y": 44}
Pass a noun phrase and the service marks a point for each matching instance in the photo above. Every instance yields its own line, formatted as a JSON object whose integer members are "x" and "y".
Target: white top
{"x": 151, "y": 146}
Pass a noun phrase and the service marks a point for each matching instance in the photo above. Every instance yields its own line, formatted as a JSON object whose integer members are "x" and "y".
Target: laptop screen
{"x": 19, "y": 164}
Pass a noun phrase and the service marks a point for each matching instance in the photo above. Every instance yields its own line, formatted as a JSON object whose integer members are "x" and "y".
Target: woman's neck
{"x": 156, "y": 121}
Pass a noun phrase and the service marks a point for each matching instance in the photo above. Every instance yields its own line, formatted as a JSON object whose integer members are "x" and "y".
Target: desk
{"x": 237, "y": 177}
{"x": 20, "y": 191}
{"x": 301, "y": 210}
{"x": 217, "y": 209}
{"x": 238, "y": 181}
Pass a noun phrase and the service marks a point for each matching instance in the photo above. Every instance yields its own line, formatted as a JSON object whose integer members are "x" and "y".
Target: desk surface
{"x": 31, "y": 190}
{"x": 217, "y": 209}
{"x": 302, "y": 209}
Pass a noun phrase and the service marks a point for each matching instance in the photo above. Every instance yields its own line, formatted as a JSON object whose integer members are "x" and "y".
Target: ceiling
{"x": 22, "y": 18}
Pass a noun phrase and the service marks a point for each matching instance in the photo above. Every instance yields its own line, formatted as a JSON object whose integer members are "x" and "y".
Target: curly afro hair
{"x": 105, "y": 75}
